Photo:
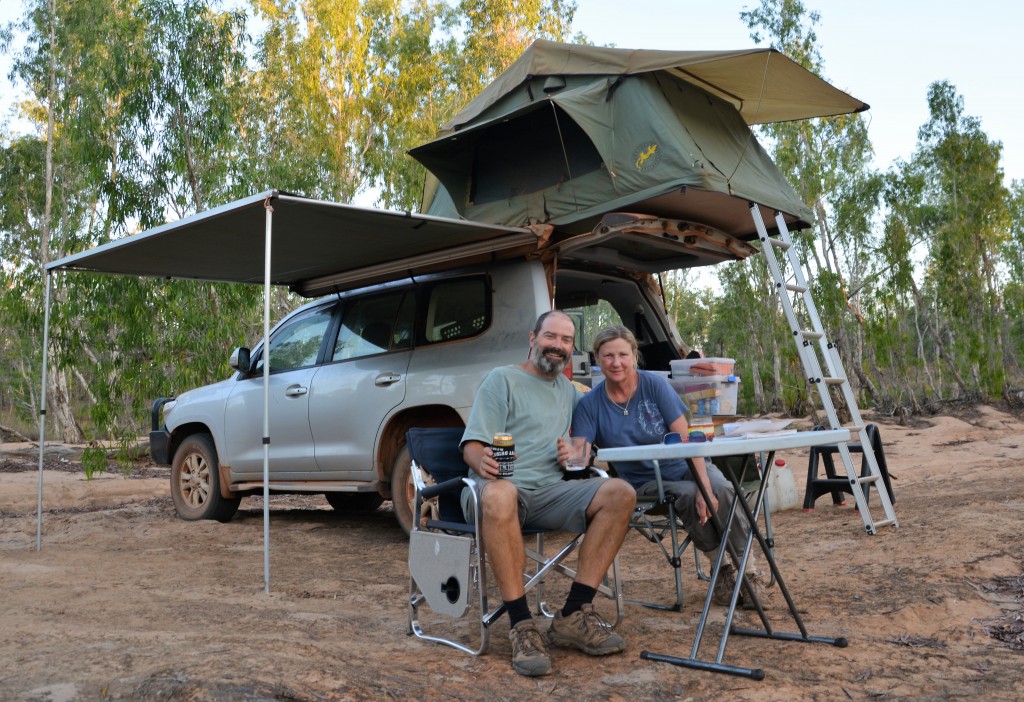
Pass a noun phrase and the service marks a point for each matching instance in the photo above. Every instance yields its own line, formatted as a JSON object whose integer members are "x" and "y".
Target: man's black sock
{"x": 518, "y": 610}
{"x": 579, "y": 595}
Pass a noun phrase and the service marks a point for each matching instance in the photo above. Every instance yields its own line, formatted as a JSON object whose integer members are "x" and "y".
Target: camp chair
{"x": 447, "y": 566}
{"x": 656, "y": 519}
{"x": 748, "y": 470}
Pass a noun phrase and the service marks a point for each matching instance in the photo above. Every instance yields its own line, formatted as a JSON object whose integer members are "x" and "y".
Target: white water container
{"x": 781, "y": 493}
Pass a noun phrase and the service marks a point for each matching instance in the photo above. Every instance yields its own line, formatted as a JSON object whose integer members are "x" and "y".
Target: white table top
{"x": 733, "y": 447}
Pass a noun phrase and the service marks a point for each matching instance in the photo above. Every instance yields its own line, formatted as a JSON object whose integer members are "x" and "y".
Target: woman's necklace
{"x": 629, "y": 398}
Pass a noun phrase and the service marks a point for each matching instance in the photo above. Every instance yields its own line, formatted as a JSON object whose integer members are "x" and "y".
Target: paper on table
{"x": 756, "y": 428}
{"x": 756, "y": 435}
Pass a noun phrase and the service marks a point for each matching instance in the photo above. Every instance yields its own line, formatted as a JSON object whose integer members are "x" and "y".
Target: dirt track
{"x": 127, "y": 602}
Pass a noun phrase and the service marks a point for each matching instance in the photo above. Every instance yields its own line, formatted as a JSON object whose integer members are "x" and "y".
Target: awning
{"x": 319, "y": 247}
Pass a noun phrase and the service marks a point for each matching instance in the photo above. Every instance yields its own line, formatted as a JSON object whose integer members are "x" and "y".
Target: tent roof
{"x": 764, "y": 85}
{"x": 318, "y": 247}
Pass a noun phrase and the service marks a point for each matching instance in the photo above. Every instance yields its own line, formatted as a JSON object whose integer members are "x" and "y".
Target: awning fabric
{"x": 317, "y": 247}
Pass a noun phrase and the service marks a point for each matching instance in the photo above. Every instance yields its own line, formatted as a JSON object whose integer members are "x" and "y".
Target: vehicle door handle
{"x": 385, "y": 379}
{"x": 295, "y": 391}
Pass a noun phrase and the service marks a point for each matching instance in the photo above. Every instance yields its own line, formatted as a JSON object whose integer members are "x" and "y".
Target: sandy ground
{"x": 125, "y": 601}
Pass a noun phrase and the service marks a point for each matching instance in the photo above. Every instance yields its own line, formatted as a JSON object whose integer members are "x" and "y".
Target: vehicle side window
{"x": 297, "y": 344}
{"x": 457, "y": 309}
{"x": 374, "y": 325}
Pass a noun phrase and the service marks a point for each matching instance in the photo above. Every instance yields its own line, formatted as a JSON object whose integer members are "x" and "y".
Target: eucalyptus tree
{"x": 970, "y": 227}
{"x": 77, "y": 57}
{"x": 827, "y": 160}
{"x": 1013, "y": 291}
{"x": 129, "y": 93}
{"x": 343, "y": 90}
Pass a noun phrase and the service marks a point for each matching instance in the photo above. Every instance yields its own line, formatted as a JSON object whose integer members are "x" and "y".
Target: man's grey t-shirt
{"x": 535, "y": 410}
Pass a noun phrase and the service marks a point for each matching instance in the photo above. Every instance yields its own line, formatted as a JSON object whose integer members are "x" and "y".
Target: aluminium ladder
{"x": 806, "y": 330}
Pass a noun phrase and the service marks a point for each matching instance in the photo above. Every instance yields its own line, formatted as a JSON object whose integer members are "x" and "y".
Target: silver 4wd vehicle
{"x": 350, "y": 373}
{"x": 557, "y": 148}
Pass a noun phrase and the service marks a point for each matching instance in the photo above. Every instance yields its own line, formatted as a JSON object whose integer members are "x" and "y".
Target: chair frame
{"x": 539, "y": 564}
{"x": 655, "y": 516}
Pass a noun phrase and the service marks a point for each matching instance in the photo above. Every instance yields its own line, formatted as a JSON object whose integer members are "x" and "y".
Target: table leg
{"x": 740, "y": 562}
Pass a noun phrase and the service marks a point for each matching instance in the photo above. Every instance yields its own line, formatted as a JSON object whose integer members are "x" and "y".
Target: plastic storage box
{"x": 703, "y": 366}
{"x": 708, "y": 394}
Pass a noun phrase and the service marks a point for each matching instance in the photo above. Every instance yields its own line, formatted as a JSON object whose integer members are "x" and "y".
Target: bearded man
{"x": 533, "y": 401}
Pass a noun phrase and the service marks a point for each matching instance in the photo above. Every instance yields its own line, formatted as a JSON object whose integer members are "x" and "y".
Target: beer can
{"x": 504, "y": 449}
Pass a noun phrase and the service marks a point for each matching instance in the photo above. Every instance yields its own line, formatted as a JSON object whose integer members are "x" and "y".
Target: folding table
{"x": 767, "y": 445}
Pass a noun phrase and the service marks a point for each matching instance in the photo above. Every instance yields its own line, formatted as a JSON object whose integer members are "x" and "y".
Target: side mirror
{"x": 240, "y": 360}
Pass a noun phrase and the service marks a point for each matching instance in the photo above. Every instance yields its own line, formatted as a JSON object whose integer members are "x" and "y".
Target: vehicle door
{"x": 362, "y": 380}
{"x": 295, "y": 347}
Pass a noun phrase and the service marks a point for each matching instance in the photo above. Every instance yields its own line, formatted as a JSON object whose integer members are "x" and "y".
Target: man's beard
{"x": 548, "y": 366}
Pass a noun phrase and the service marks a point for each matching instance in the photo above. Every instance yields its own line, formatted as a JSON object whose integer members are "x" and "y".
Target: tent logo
{"x": 646, "y": 156}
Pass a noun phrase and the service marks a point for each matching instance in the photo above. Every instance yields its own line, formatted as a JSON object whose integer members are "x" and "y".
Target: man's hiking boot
{"x": 586, "y": 630}
{"x": 529, "y": 654}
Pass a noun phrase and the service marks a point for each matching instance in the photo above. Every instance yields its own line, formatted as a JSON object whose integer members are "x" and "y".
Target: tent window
{"x": 525, "y": 155}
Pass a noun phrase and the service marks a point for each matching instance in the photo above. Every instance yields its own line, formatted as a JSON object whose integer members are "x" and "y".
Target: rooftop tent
{"x": 569, "y": 133}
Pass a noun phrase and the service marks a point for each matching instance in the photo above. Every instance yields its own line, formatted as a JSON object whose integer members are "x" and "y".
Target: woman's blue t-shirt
{"x": 652, "y": 409}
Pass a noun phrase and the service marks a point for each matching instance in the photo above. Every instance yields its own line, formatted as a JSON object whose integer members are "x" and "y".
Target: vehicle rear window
{"x": 457, "y": 309}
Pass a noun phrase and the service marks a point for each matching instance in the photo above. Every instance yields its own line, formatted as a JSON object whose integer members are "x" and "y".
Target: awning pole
{"x": 266, "y": 400}
{"x": 42, "y": 408}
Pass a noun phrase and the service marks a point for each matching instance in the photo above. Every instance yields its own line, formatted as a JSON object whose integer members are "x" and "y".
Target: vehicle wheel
{"x": 354, "y": 502}
{"x": 195, "y": 483}
{"x": 403, "y": 491}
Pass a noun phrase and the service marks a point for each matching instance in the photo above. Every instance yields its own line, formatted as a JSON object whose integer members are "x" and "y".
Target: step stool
{"x": 835, "y": 484}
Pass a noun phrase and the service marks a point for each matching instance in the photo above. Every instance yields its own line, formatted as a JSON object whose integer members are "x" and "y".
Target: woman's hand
{"x": 703, "y": 512}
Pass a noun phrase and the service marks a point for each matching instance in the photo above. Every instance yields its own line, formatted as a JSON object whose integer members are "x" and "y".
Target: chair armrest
{"x": 447, "y": 486}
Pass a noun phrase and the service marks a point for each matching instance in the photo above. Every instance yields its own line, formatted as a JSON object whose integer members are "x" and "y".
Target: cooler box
{"x": 707, "y": 394}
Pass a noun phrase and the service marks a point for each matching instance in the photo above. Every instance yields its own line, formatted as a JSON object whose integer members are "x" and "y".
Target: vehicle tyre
{"x": 403, "y": 490}
{"x": 354, "y": 502}
{"x": 195, "y": 482}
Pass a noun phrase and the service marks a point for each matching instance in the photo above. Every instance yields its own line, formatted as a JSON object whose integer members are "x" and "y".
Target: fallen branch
{"x": 13, "y": 432}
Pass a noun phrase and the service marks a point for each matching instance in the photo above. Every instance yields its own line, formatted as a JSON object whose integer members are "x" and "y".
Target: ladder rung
{"x": 833, "y": 381}
{"x": 811, "y": 334}
{"x": 869, "y": 479}
{"x": 796, "y": 288}
{"x": 884, "y": 522}
{"x": 778, "y": 243}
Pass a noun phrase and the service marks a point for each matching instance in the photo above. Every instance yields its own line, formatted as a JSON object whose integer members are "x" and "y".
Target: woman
{"x": 633, "y": 408}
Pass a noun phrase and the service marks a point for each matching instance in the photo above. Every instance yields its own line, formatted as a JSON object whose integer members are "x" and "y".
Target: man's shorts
{"x": 559, "y": 507}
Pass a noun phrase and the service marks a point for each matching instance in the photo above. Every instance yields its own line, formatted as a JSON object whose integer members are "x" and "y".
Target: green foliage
{"x": 164, "y": 108}
{"x": 94, "y": 461}
{"x": 124, "y": 457}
